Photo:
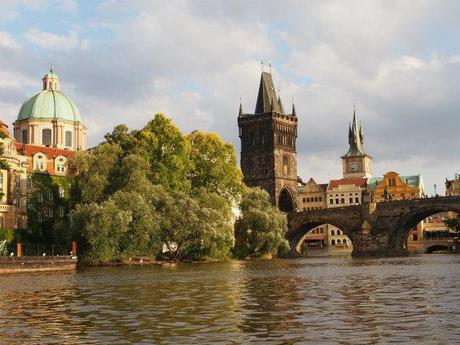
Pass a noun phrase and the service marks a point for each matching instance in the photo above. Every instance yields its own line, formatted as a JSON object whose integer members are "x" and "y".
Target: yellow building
{"x": 393, "y": 186}
{"x": 311, "y": 195}
{"x": 13, "y": 183}
{"x": 453, "y": 186}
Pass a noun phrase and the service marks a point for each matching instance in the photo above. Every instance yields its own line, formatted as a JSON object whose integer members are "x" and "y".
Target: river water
{"x": 412, "y": 300}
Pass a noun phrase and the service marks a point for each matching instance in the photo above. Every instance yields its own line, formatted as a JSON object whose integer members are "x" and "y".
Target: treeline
{"x": 157, "y": 192}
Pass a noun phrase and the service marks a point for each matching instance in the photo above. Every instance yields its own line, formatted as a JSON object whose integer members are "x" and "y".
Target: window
{"x": 40, "y": 162}
{"x": 61, "y": 211}
{"x": 39, "y": 217}
{"x": 414, "y": 237}
{"x": 50, "y": 194}
{"x": 338, "y": 242}
{"x": 342, "y": 201}
{"x": 332, "y": 232}
{"x": 50, "y": 212}
{"x": 303, "y": 199}
{"x": 24, "y": 136}
{"x": 60, "y": 165}
{"x": 338, "y": 232}
{"x": 40, "y": 197}
{"x": 337, "y": 201}
{"x": 333, "y": 242}
{"x": 357, "y": 200}
{"x": 316, "y": 199}
{"x": 350, "y": 200}
{"x": 18, "y": 181}
{"x": 345, "y": 242}
{"x": 18, "y": 201}
{"x": 29, "y": 183}
{"x": 320, "y": 199}
{"x": 68, "y": 138}
{"x": 46, "y": 137}
{"x": 61, "y": 192}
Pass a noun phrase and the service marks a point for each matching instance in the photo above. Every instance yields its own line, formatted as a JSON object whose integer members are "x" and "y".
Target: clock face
{"x": 354, "y": 166}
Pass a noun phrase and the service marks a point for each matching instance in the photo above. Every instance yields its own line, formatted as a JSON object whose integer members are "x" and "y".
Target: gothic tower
{"x": 268, "y": 146}
{"x": 356, "y": 162}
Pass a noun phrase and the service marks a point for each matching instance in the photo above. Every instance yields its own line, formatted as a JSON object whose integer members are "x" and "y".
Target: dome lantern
{"x": 51, "y": 80}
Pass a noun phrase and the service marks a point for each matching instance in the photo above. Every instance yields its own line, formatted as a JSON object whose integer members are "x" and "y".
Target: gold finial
{"x": 51, "y": 68}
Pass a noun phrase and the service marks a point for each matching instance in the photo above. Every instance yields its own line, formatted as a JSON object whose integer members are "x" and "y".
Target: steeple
{"x": 240, "y": 112}
{"x": 293, "y": 110}
{"x": 51, "y": 80}
{"x": 266, "y": 99}
{"x": 280, "y": 104}
{"x": 355, "y": 138}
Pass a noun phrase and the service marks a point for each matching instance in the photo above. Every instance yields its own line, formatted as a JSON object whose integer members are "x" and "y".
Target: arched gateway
{"x": 376, "y": 229}
{"x": 286, "y": 201}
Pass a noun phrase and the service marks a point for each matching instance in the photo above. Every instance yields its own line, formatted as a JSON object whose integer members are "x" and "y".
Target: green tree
{"x": 261, "y": 228}
{"x": 214, "y": 165}
{"x": 168, "y": 152}
{"x": 453, "y": 223}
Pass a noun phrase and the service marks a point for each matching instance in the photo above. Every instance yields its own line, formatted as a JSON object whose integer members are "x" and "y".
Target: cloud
{"x": 8, "y": 42}
{"x": 48, "y": 40}
{"x": 398, "y": 61}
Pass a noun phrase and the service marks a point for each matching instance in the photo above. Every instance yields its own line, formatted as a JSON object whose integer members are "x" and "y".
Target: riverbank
{"x": 31, "y": 264}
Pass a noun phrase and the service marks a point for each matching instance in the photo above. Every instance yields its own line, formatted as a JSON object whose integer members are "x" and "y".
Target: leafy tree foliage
{"x": 261, "y": 228}
{"x": 453, "y": 223}
{"x": 214, "y": 165}
{"x": 140, "y": 190}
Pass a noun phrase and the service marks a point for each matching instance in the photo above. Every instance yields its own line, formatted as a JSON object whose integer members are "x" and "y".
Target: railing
{"x": 5, "y": 259}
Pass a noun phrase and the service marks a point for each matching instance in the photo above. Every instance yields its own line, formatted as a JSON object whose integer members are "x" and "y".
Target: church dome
{"x": 50, "y": 103}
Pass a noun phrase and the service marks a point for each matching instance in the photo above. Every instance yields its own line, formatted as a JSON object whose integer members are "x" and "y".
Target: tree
{"x": 168, "y": 153}
{"x": 261, "y": 228}
{"x": 453, "y": 223}
{"x": 214, "y": 165}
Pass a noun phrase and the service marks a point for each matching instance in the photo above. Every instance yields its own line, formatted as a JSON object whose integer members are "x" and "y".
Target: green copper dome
{"x": 49, "y": 104}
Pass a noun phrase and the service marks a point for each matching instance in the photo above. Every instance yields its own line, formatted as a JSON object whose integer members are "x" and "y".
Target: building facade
{"x": 268, "y": 146}
{"x": 453, "y": 186}
{"x": 311, "y": 195}
{"x": 47, "y": 132}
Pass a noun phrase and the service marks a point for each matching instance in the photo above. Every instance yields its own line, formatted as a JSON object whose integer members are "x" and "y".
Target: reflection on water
{"x": 306, "y": 301}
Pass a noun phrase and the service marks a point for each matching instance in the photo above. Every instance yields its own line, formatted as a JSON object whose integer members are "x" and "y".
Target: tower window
{"x": 24, "y": 136}
{"x": 68, "y": 138}
{"x": 46, "y": 137}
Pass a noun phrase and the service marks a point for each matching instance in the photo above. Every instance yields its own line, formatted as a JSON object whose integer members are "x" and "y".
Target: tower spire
{"x": 293, "y": 110}
{"x": 240, "y": 112}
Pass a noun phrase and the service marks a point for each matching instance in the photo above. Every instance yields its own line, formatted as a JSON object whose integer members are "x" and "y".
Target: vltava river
{"x": 413, "y": 300}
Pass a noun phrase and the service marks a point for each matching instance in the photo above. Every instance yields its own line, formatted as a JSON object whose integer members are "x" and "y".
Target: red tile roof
{"x": 357, "y": 181}
{"x": 51, "y": 152}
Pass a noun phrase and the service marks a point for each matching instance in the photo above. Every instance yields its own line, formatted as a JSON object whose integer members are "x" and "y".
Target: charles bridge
{"x": 375, "y": 229}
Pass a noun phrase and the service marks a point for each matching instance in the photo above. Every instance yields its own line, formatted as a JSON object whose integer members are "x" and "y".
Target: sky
{"x": 124, "y": 61}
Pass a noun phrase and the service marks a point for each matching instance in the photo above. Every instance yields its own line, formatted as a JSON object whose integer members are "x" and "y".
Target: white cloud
{"x": 8, "y": 42}
{"x": 52, "y": 41}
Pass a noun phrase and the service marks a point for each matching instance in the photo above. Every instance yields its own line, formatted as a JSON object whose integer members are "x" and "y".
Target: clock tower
{"x": 356, "y": 162}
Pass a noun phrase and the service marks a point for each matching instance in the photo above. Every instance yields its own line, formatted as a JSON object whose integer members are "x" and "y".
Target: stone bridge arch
{"x": 411, "y": 216}
{"x": 300, "y": 223}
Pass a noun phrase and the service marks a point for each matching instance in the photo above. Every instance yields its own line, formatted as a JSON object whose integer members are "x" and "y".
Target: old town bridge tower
{"x": 268, "y": 146}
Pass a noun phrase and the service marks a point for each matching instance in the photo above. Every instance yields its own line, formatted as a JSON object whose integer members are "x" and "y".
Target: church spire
{"x": 355, "y": 138}
{"x": 293, "y": 110}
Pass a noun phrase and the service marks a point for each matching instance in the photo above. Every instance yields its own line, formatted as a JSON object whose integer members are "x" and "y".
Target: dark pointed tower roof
{"x": 240, "y": 112}
{"x": 266, "y": 99}
{"x": 280, "y": 104}
{"x": 355, "y": 138}
{"x": 293, "y": 110}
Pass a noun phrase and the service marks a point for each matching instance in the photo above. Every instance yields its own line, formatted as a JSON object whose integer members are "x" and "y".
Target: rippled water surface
{"x": 413, "y": 300}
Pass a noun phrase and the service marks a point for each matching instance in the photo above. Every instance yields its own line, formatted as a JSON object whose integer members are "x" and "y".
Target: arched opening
{"x": 427, "y": 231}
{"x": 320, "y": 239}
{"x": 437, "y": 249}
{"x": 286, "y": 201}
